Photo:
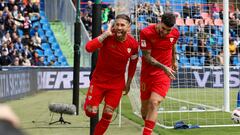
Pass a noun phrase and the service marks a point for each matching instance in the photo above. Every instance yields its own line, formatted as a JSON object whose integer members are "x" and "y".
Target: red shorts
{"x": 96, "y": 94}
{"x": 147, "y": 86}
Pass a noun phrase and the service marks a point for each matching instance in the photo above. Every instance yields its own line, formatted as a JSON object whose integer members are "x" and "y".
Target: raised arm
{"x": 96, "y": 43}
{"x": 21, "y": 21}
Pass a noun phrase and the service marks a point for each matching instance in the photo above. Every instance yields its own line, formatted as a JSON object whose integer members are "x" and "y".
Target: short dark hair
{"x": 124, "y": 16}
{"x": 169, "y": 19}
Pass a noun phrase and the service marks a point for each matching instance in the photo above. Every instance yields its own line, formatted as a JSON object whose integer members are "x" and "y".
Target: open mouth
{"x": 119, "y": 32}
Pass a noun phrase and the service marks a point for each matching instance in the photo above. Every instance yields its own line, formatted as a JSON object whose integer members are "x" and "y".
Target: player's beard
{"x": 120, "y": 35}
{"x": 161, "y": 34}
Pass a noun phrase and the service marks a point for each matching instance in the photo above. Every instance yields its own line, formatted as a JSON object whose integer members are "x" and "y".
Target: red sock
{"x": 148, "y": 127}
{"x": 103, "y": 124}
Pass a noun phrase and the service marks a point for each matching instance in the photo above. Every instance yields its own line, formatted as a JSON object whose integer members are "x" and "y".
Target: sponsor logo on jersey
{"x": 143, "y": 43}
{"x": 171, "y": 40}
{"x": 114, "y": 46}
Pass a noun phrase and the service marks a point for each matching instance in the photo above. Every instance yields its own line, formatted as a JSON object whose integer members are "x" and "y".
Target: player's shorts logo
{"x": 90, "y": 89}
{"x": 143, "y": 86}
{"x": 89, "y": 97}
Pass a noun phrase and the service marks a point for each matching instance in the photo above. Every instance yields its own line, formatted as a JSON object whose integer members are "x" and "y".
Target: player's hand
{"x": 126, "y": 89}
{"x": 110, "y": 28}
{"x": 175, "y": 66}
{"x": 170, "y": 72}
{"x": 6, "y": 113}
{"x": 107, "y": 33}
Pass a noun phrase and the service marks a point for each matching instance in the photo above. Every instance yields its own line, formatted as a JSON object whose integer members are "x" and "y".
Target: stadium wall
{"x": 210, "y": 77}
{"x": 19, "y": 81}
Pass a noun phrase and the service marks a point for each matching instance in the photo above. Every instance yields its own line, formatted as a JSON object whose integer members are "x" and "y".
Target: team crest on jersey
{"x": 143, "y": 43}
{"x": 129, "y": 50}
{"x": 171, "y": 40}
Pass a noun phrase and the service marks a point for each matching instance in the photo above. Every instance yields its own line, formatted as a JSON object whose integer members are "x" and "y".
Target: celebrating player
{"x": 157, "y": 43}
{"x": 116, "y": 48}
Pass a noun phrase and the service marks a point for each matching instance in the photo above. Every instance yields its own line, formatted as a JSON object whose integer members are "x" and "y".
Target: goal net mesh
{"x": 197, "y": 95}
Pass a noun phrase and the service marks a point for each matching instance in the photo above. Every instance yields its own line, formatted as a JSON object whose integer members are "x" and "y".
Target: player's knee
{"x": 144, "y": 117}
{"x": 153, "y": 104}
{"x": 143, "y": 112}
{"x": 107, "y": 116}
{"x": 108, "y": 112}
{"x": 91, "y": 111}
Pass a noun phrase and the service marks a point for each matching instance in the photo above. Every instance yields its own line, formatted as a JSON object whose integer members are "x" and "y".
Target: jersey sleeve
{"x": 133, "y": 60}
{"x": 92, "y": 45}
{"x": 144, "y": 42}
{"x": 177, "y": 34}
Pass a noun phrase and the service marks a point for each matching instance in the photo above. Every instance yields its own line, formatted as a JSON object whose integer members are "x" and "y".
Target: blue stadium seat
{"x": 40, "y": 52}
{"x": 193, "y": 29}
{"x": 232, "y": 32}
{"x": 52, "y": 39}
{"x": 184, "y": 61}
{"x": 141, "y": 18}
{"x": 56, "y": 64}
{"x": 43, "y": 38}
{"x": 55, "y": 46}
{"x": 45, "y": 46}
{"x": 51, "y": 57}
{"x": 20, "y": 32}
{"x": 63, "y": 64}
{"x": 41, "y": 32}
{"x": 42, "y": 13}
{"x": 62, "y": 59}
{"x": 45, "y": 62}
{"x": 202, "y": 60}
{"x": 49, "y": 33}
{"x": 183, "y": 29}
{"x": 58, "y": 53}
{"x": 178, "y": 48}
{"x": 194, "y": 61}
{"x": 220, "y": 40}
{"x": 43, "y": 21}
{"x": 184, "y": 47}
{"x": 235, "y": 60}
{"x": 48, "y": 52}
{"x": 238, "y": 64}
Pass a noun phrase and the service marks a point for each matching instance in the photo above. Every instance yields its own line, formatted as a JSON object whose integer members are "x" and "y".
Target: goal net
{"x": 197, "y": 95}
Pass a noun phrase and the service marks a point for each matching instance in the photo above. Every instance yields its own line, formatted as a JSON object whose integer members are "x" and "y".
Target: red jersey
{"x": 112, "y": 60}
{"x": 161, "y": 50}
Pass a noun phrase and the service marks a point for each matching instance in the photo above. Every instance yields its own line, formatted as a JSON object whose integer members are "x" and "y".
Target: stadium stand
{"x": 203, "y": 22}
{"x": 25, "y": 31}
